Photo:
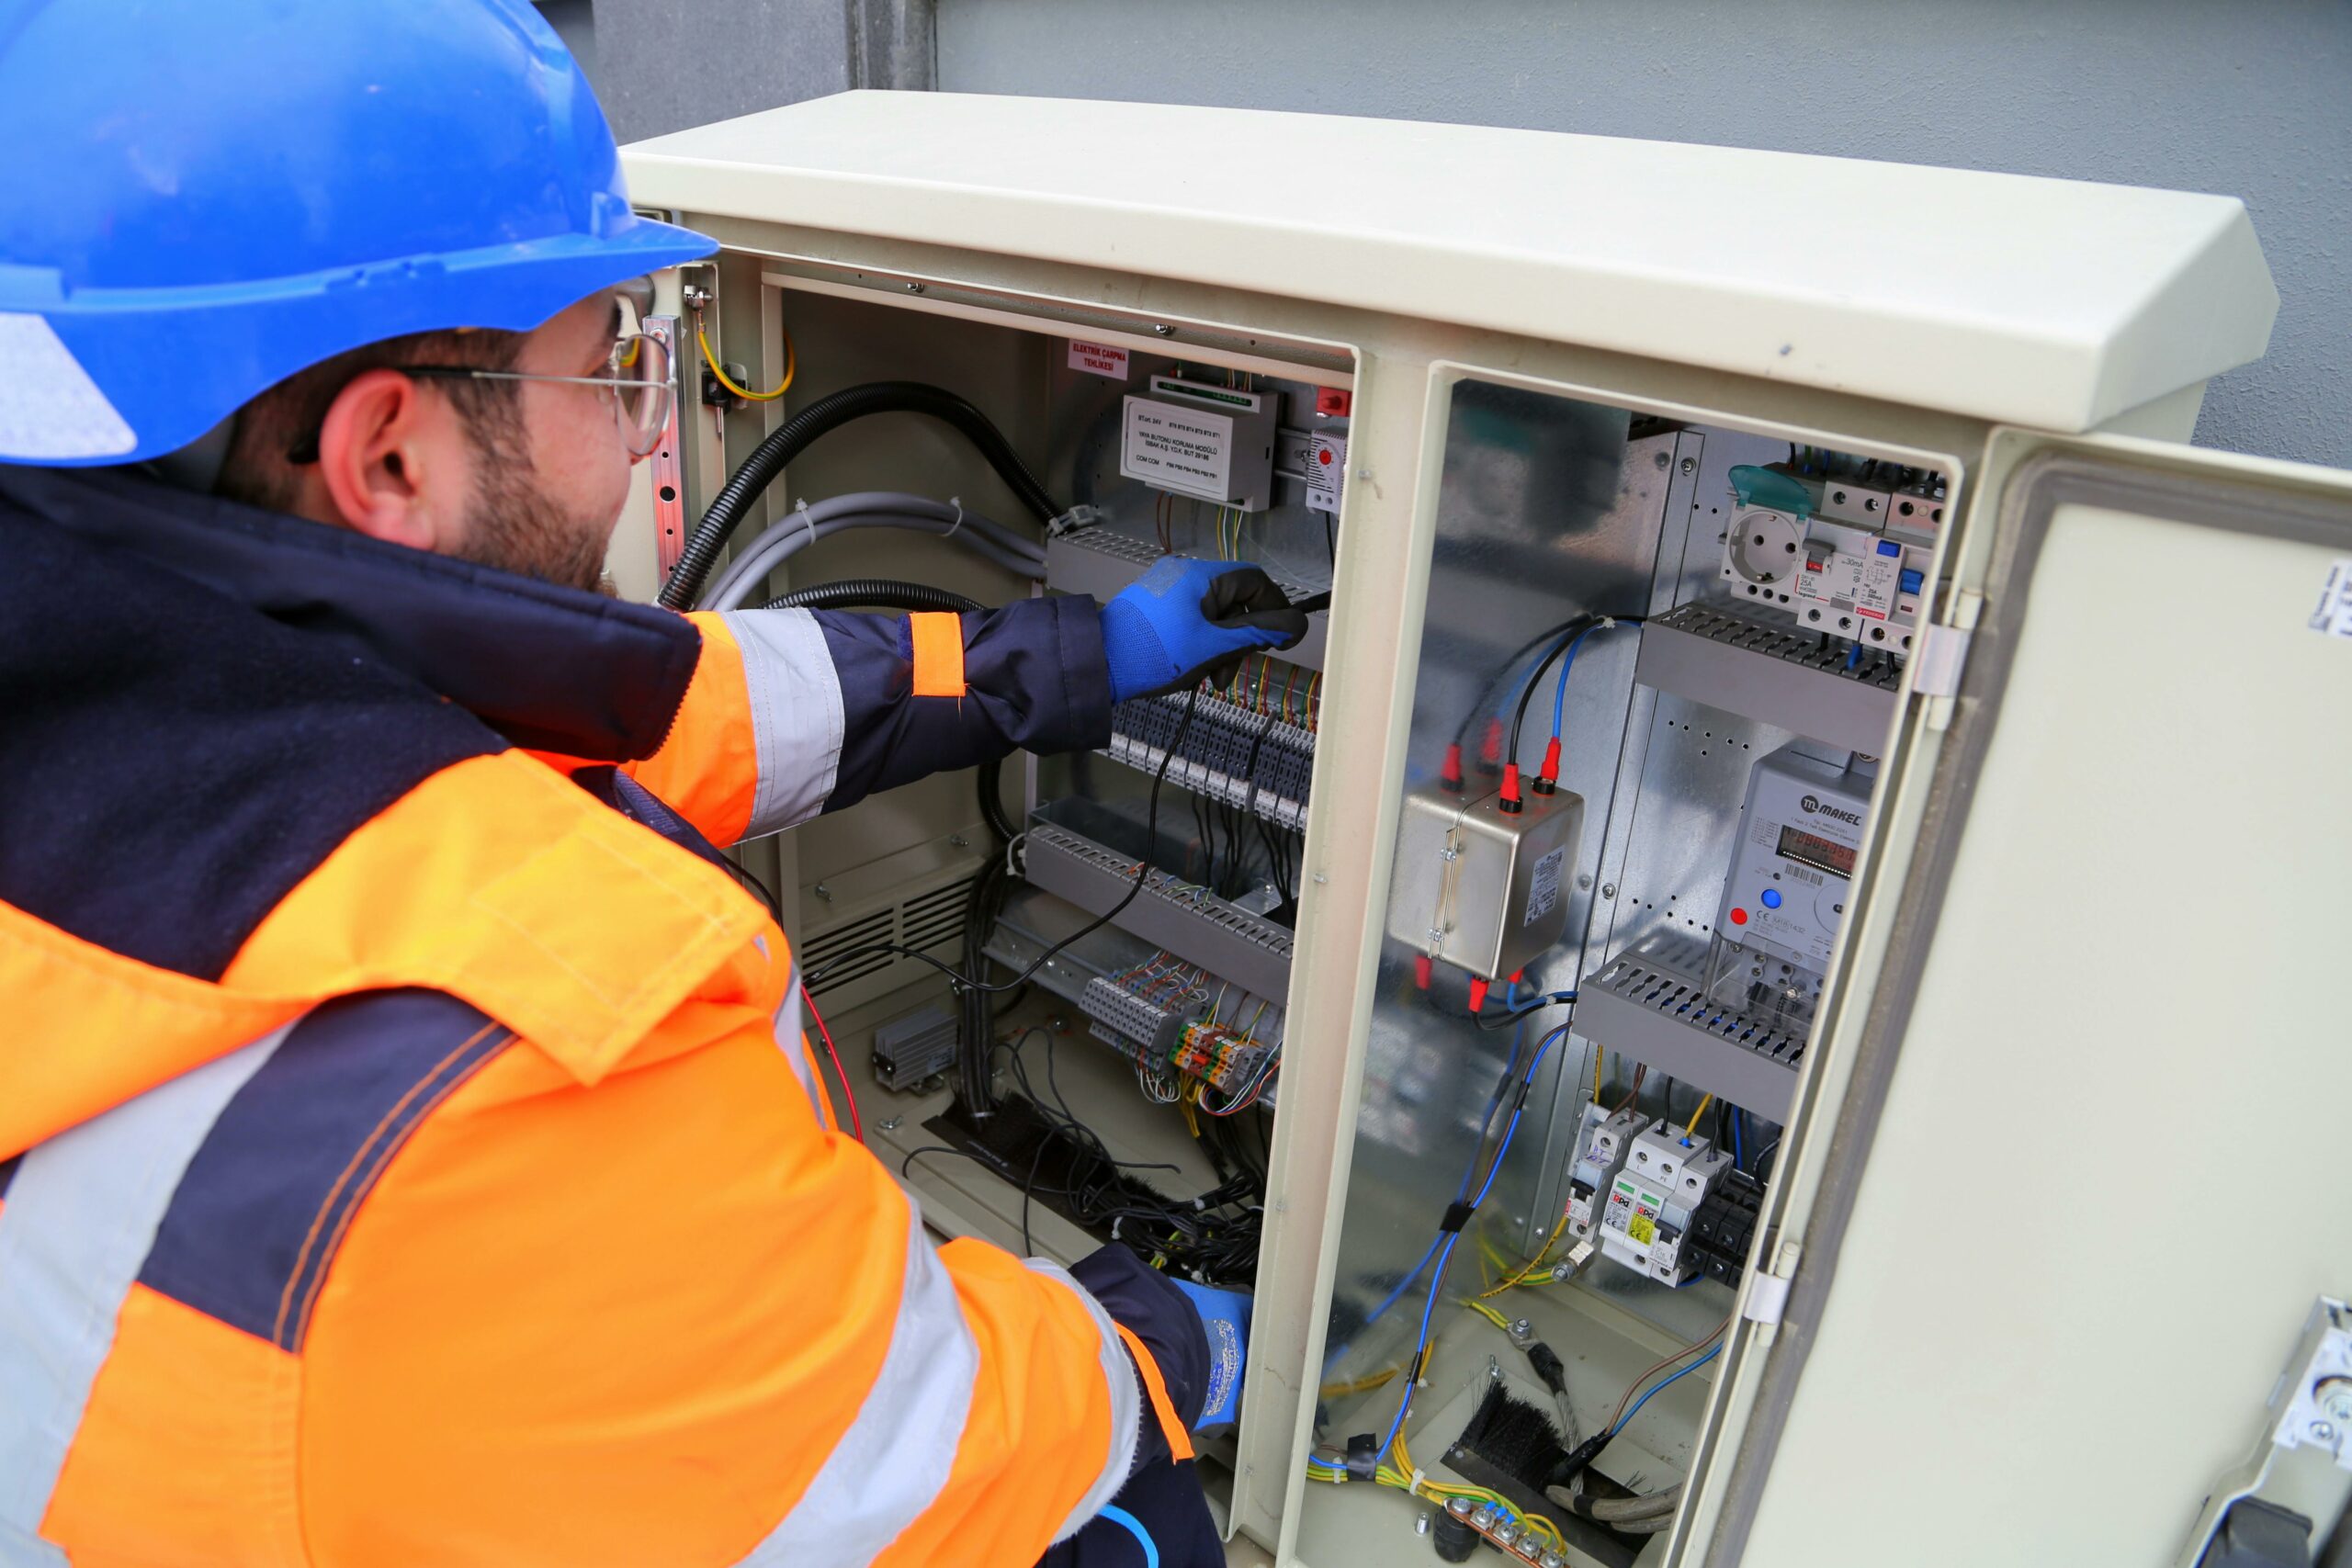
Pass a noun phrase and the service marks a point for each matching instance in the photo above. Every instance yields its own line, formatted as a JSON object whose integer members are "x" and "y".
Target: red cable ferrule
{"x": 1510, "y": 803}
{"x": 1421, "y": 970}
{"x": 1449, "y": 776}
{"x": 1547, "y": 778}
{"x": 1478, "y": 984}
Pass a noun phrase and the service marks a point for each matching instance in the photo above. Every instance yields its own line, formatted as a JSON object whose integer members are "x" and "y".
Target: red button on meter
{"x": 1324, "y": 456}
{"x": 1739, "y": 916}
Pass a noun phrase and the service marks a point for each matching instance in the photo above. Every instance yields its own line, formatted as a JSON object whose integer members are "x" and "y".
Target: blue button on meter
{"x": 1772, "y": 897}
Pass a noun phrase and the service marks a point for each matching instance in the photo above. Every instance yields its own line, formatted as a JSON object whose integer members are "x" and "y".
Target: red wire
{"x": 825, "y": 1034}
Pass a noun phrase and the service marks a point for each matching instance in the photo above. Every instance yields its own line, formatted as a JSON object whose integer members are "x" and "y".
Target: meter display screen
{"x": 1811, "y": 849}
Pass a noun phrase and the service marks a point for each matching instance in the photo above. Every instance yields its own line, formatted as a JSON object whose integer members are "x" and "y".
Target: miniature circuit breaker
{"x": 1609, "y": 1141}
{"x": 1652, "y": 1201}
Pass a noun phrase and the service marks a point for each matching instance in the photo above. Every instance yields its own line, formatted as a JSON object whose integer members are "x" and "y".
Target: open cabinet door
{"x": 2075, "y": 1217}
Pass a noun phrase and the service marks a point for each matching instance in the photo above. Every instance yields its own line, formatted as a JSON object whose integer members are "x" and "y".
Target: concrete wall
{"x": 2253, "y": 99}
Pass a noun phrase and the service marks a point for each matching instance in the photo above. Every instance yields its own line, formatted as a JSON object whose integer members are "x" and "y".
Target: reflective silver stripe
{"x": 79, "y": 1221}
{"x": 1126, "y": 1404}
{"x": 894, "y": 1460}
{"x": 797, "y": 713}
{"x": 795, "y": 1049}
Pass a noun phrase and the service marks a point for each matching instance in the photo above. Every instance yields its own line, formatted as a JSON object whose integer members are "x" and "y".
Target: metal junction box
{"x": 1480, "y": 887}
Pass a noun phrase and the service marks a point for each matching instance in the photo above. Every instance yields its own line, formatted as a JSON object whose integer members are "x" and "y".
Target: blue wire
{"x": 1134, "y": 1526}
{"x": 1738, "y": 1144}
{"x": 1560, "y": 692}
{"x": 1406, "y": 1282}
{"x": 1421, "y": 1341}
{"x": 1518, "y": 1042}
{"x": 1685, "y": 1373}
{"x": 1436, "y": 1279}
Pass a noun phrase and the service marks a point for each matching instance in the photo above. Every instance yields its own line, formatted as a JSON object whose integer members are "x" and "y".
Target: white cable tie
{"x": 1414, "y": 1482}
{"x": 800, "y": 510}
{"x": 1011, "y": 847}
{"x": 958, "y": 502}
{"x": 1070, "y": 522}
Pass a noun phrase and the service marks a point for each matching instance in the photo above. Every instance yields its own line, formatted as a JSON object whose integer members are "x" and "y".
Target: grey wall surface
{"x": 2252, "y": 99}
{"x": 663, "y": 65}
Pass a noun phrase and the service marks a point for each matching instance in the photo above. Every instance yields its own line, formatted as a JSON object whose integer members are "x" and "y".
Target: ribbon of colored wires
{"x": 849, "y": 1095}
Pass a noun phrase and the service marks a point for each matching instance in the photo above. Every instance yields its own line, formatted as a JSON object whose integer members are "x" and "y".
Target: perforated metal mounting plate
{"x": 1648, "y": 1006}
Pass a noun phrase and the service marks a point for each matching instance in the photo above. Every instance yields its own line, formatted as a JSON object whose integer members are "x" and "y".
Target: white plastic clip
{"x": 958, "y": 502}
{"x": 1070, "y": 522}
{"x": 1011, "y": 848}
{"x": 1942, "y": 654}
{"x": 1768, "y": 1297}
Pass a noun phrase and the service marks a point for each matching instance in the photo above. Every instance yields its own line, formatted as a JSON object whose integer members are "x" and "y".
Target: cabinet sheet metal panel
{"x": 2106, "y": 1181}
{"x": 2055, "y": 304}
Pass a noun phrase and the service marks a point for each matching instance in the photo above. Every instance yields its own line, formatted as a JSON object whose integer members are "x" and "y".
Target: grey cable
{"x": 787, "y": 538}
{"x": 871, "y": 509}
{"x": 748, "y": 587}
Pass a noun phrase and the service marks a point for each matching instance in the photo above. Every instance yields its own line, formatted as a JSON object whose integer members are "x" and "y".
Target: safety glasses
{"x": 637, "y": 376}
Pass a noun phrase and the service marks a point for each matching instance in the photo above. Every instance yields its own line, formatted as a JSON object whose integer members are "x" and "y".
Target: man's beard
{"x": 514, "y": 527}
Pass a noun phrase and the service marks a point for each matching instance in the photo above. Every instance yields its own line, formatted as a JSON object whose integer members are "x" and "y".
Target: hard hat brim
{"x": 120, "y": 376}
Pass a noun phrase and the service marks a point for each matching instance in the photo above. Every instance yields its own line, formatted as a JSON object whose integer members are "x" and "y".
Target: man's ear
{"x": 377, "y": 453}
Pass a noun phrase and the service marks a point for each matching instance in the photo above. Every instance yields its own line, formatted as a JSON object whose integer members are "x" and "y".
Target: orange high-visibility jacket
{"x": 406, "y": 1156}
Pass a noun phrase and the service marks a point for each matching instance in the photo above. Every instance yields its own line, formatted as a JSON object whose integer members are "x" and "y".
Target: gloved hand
{"x": 1185, "y": 621}
{"x": 1226, "y": 1315}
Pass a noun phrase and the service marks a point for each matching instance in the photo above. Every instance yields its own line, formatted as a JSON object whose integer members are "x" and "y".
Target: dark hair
{"x": 278, "y": 431}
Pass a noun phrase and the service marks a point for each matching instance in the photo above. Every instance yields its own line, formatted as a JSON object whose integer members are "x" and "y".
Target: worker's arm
{"x": 795, "y": 712}
{"x": 670, "y": 1318}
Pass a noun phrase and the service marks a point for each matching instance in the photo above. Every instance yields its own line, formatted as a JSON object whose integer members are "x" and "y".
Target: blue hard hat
{"x": 205, "y": 196}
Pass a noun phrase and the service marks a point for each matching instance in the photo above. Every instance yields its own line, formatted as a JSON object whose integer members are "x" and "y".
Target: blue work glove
{"x": 1226, "y": 1315}
{"x": 1185, "y": 621}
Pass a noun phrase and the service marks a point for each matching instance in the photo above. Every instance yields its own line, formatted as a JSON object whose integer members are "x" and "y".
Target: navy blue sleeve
{"x": 1035, "y": 679}
{"x": 1147, "y": 1305}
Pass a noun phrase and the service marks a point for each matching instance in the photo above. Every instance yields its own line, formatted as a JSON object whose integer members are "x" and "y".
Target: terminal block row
{"x": 1228, "y": 752}
{"x": 1156, "y": 1025}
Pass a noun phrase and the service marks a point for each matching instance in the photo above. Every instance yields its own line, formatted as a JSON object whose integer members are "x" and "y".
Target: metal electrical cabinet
{"x": 1882, "y": 495}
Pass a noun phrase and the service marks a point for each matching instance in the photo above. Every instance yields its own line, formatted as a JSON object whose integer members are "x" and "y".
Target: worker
{"x": 408, "y": 1150}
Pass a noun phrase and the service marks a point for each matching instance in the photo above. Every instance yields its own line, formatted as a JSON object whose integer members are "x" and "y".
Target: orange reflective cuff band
{"x": 937, "y": 638}
{"x": 1180, "y": 1441}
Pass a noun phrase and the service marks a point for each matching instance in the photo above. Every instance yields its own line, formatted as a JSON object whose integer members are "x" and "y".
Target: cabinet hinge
{"x": 1941, "y": 655}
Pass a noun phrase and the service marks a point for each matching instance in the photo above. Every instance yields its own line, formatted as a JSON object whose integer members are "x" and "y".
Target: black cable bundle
{"x": 796, "y": 435}
{"x": 883, "y": 592}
